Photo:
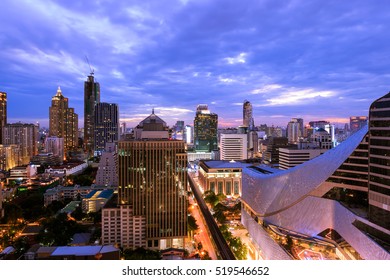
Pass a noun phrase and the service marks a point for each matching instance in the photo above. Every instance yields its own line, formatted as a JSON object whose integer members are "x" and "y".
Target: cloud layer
{"x": 292, "y": 58}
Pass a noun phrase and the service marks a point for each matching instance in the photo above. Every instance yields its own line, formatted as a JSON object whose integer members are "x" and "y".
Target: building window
{"x": 228, "y": 188}
{"x": 236, "y": 188}
{"x": 212, "y": 186}
{"x": 220, "y": 187}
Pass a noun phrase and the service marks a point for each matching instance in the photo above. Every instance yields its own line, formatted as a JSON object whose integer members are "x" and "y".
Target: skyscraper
{"x": 91, "y": 98}
{"x": 106, "y": 126}
{"x": 205, "y": 130}
{"x": 3, "y": 113}
{"x": 379, "y": 163}
{"x": 248, "y": 116}
{"x": 152, "y": 192}
{"x": 63, "y": 122}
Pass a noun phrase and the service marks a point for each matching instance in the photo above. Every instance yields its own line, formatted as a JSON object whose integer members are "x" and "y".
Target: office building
{"x": 152, "y": 192}
{"x": 189, "y": 135}
{"x": 91, "y": 98}
{"x": 24, "y": 135}
{"x": 3, "y": 113}
{"x": 106, "y": 126}
{"x": 357, "y": 122}
{"x": 63, "y": 122}
{"x": 205, "y": 130}
{"x": 234, "y": 147}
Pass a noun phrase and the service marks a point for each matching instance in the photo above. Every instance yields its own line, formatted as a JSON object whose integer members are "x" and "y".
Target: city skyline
{"x": 288, "y": 58}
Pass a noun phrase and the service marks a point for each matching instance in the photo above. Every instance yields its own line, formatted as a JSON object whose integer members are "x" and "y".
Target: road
{"x": 222, "y": 247}
{"x": 202, "y": 235}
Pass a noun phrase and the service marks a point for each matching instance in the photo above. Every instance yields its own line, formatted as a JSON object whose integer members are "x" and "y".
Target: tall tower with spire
{"x": 63, "y": 121}
{"x": 91, "y": 98}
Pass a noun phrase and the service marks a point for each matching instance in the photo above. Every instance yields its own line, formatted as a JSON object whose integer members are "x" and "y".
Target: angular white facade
{"x": 286, "y": 199}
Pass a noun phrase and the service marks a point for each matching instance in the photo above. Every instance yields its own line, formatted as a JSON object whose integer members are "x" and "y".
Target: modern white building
{"x": 234, "y": 146}
{"x": 95, "y": 200}
{"x": 290, "y": 157}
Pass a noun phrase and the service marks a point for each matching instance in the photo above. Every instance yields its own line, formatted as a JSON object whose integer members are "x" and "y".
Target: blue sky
{"x": 319, "y": 60}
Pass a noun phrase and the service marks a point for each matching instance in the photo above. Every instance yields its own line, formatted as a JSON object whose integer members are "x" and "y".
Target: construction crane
{"x": 92, "y": 70}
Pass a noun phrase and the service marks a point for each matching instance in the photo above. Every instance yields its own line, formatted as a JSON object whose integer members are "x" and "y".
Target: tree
{"x": 211, "y": 198}
{"x": 58, "y": 231}
{"x": 12, "y": 213}
{"x": 141, "y": 254}
{"x": 192, "y": 225}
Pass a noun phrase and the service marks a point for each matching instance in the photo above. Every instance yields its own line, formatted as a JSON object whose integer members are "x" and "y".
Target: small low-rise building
{"x": 95, "y": 200}
{"x": 221, "y": 177}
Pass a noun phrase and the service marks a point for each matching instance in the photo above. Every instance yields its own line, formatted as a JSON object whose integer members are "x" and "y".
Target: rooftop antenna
{"x": 92, "y": 70}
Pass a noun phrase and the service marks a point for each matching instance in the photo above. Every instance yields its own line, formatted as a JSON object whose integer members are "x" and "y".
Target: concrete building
{"x": 247, "y": 115}
{"x": 295, "y": 130}
{"x": 95, "y": 252}
{"x": 55, "y": 146}
{"x": 9, "y": 156}
{"x": 66, "y": 169}
{"x": 107, "y": 173}
{"x": 234, "y": 146}
{"x": 24, "y": 135}
{"x": 290, "y": 157}
{"x": 221, "y": 177}
{"x": 95, "y": 200}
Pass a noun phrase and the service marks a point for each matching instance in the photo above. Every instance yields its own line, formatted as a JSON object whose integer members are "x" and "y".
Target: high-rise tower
{"x": 91, "y": 98}
{"x": 106, "y": 125}
{"x": 3, "y": 113}
{"x": 205, "y": 129}
{"x": 152, "y": 192}
{"x": 63, "y": 121}
{"x": 247, "y": 115}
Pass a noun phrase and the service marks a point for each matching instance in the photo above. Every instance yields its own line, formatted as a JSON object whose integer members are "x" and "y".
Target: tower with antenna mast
{"x": 91, "y": 98}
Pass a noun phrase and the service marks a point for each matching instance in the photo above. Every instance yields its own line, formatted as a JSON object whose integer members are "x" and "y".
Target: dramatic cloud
{"x": 313, "y": 59}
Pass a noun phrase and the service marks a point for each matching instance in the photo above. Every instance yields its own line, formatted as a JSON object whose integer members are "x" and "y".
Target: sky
{"x": 317, "y": 60}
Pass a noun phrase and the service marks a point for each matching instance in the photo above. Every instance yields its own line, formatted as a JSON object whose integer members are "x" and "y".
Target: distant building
{"x": 106, "y": 125}
{"x": 63, "y": 122}
{"x": 295, "y": 130}
{"x": 248, "y": 115}
{"x": 3, "y": 113}
{"x": 91, "y": 98}
{"x": 271, "y": 155}
{"x": 290, "y": 157}
{"x": 356, "y": 123}
{"x": 66, "y": 169}
{"x": 205, "y": 130}
{"x": 55, "y": 146}
{"x": 24, "y": 135}
{"x": 189, "y": 134}
{"x": 107, "y": 173}
{"x": 234, "y": 146}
